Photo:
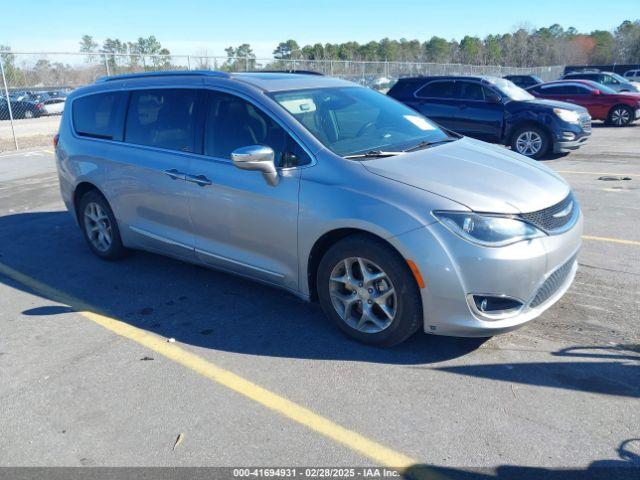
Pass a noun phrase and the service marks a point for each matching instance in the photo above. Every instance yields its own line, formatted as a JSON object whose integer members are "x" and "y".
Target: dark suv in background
{"x": 524, "y": 81}
{"x": 495, "y": 110}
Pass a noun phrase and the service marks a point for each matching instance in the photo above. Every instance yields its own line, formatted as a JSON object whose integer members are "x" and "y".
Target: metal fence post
{"x": 106, "y": 64}
{"x": 188, "y": 62}
{"x": 246, "y": 63}
{"x": 6, "y": 92}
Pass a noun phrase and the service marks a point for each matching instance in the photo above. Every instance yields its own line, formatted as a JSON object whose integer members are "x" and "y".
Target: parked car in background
{"x": 632, "y": 75}
{"x": 21, "y": 109}
{"x": 495, "y": 110}
{"x": 332, "y": 191}
{"x": 53, "y": 105}
{"x": 524, "y": 81}
{"x": 603, "y": 103}
{"x": 609, "y": 79}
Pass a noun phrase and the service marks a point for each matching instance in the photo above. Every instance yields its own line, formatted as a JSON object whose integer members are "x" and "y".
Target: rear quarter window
{"x": 99, "y": 115}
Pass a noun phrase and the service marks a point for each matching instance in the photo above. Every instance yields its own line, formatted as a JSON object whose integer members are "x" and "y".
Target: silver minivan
{"x": 332, "y": 191}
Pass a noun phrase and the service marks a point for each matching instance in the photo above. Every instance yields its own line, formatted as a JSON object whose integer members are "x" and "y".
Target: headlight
{"x": 487, "y": 229}
{"x": 568, "y": 116}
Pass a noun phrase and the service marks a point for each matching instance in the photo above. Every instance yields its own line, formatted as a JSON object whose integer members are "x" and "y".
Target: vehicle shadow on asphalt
{"x": 626, "y": 466}
{"x": 616, "y": 374}
{"x": 192, "y": 304}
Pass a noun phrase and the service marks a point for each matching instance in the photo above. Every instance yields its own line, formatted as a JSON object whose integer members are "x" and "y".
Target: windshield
{"x": 352, "y": 120}
{"x": 510, "y": 89}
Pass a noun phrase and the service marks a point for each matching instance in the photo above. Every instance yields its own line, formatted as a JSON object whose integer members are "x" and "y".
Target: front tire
{"x": 620, "y": 116}
{"x": 531, "y": 141}
{"x": 367, "y": 289}
{"x": 100, "y": 227}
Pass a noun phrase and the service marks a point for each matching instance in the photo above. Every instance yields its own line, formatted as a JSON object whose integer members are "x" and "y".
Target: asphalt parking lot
{"x": 257, "y": 377}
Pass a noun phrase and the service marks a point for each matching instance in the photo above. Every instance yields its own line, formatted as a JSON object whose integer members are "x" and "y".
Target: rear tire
{"x": 620, "y": 116}
{"x": 531, "y": 141}
{"x": 100, "y": 227}
{"x": 382, "y": 307}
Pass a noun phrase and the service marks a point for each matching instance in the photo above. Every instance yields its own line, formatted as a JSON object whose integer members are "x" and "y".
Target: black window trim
{"x": 204, "y": 89}
{"x": 483, "y": 85}
{"x": 439, "y": 80}
{"x": 122, "y": 114}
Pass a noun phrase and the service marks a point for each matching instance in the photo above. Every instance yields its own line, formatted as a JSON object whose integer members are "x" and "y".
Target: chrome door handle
{"x": 198, "y": 180}
{"x": 174, "y": 174}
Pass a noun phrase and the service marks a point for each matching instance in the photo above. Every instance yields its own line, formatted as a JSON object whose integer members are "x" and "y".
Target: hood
{"x": 478, "y": 175}
{"x": 539, "y": 102}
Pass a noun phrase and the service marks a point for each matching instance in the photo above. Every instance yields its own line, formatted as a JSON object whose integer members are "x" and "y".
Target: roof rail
{"x": 288, "y": 70}
{"x": 177, "y": 73}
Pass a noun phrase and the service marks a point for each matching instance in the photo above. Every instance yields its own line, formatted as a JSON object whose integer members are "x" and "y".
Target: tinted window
{"x": 609, "y": 80}
{"x": 559, "y": 90}
{"x": 232, "y": 122}
{"x": 468, "y": 91}
{"x": 163, "y": 119}
{"x": 436, "y": 90}
{"x": 99, "y": 115}
{"x": 582, "y": 90}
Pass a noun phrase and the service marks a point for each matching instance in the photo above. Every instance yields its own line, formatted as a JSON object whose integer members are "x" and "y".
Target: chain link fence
{"x": 34, "y": 86}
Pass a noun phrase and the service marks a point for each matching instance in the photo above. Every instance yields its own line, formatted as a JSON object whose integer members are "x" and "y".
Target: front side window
{"x": 352, "y": 120}
{"x": 99, "y": 115}
{"x": 468, "y": 91}
{"x": 162, "y": 119}
{"x": 610, "y": 80}
{"x": 232, "y": 122}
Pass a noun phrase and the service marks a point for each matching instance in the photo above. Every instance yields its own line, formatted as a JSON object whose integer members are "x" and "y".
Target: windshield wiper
{"x": 426, "y": 144}
{"x": 373, "y": 153}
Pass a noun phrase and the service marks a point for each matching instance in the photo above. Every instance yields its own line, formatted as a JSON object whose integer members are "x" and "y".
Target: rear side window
{"x": 559, "y": 90}
{"x": 99, "y": 115}
{"x": 162, "y": 119}
{"x": 442, "y": 89}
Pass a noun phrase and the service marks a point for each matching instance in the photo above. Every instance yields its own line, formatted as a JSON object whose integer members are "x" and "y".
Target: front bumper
{"x": 568, "y": 146}
{"x": 454, "y": 268}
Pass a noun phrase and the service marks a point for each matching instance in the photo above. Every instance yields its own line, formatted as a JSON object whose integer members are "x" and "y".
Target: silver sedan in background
{"x": 332, "y": 191}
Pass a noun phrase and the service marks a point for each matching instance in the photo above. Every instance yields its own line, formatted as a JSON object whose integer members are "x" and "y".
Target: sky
{"x": 208, "y": 26}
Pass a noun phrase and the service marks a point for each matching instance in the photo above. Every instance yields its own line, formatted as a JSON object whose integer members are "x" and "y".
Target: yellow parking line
{"x": 599, "y": 173}
{"x": 377, "y": 452}
{"x": 611, "y": 240}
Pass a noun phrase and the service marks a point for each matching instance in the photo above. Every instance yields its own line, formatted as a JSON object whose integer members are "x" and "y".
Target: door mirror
{"x": 596, "y": 92}
{"x": 257, "y": 157}
{"x": 493, "y": 98}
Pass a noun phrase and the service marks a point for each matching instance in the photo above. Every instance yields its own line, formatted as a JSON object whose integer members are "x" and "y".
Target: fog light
{"x": 494, "y": 307}
{"x": 568, "y": 135}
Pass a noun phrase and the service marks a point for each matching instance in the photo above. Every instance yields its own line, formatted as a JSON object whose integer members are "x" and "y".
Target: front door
{"x": 240, "y": 222}
{"x": 476, "y": 117}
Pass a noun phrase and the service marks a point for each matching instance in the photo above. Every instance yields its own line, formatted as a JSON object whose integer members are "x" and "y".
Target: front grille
{"x": 552, "y": 218}
{"x": 585, "y": 122}
{"x": 553, "y": 283}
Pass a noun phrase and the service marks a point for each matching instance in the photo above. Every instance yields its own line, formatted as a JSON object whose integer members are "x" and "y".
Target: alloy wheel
{"x": 620, "y": 116}
{"x": 98, "y": 227}
{"x": 363, "y": 295}
{"x": 529, "y": 143}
